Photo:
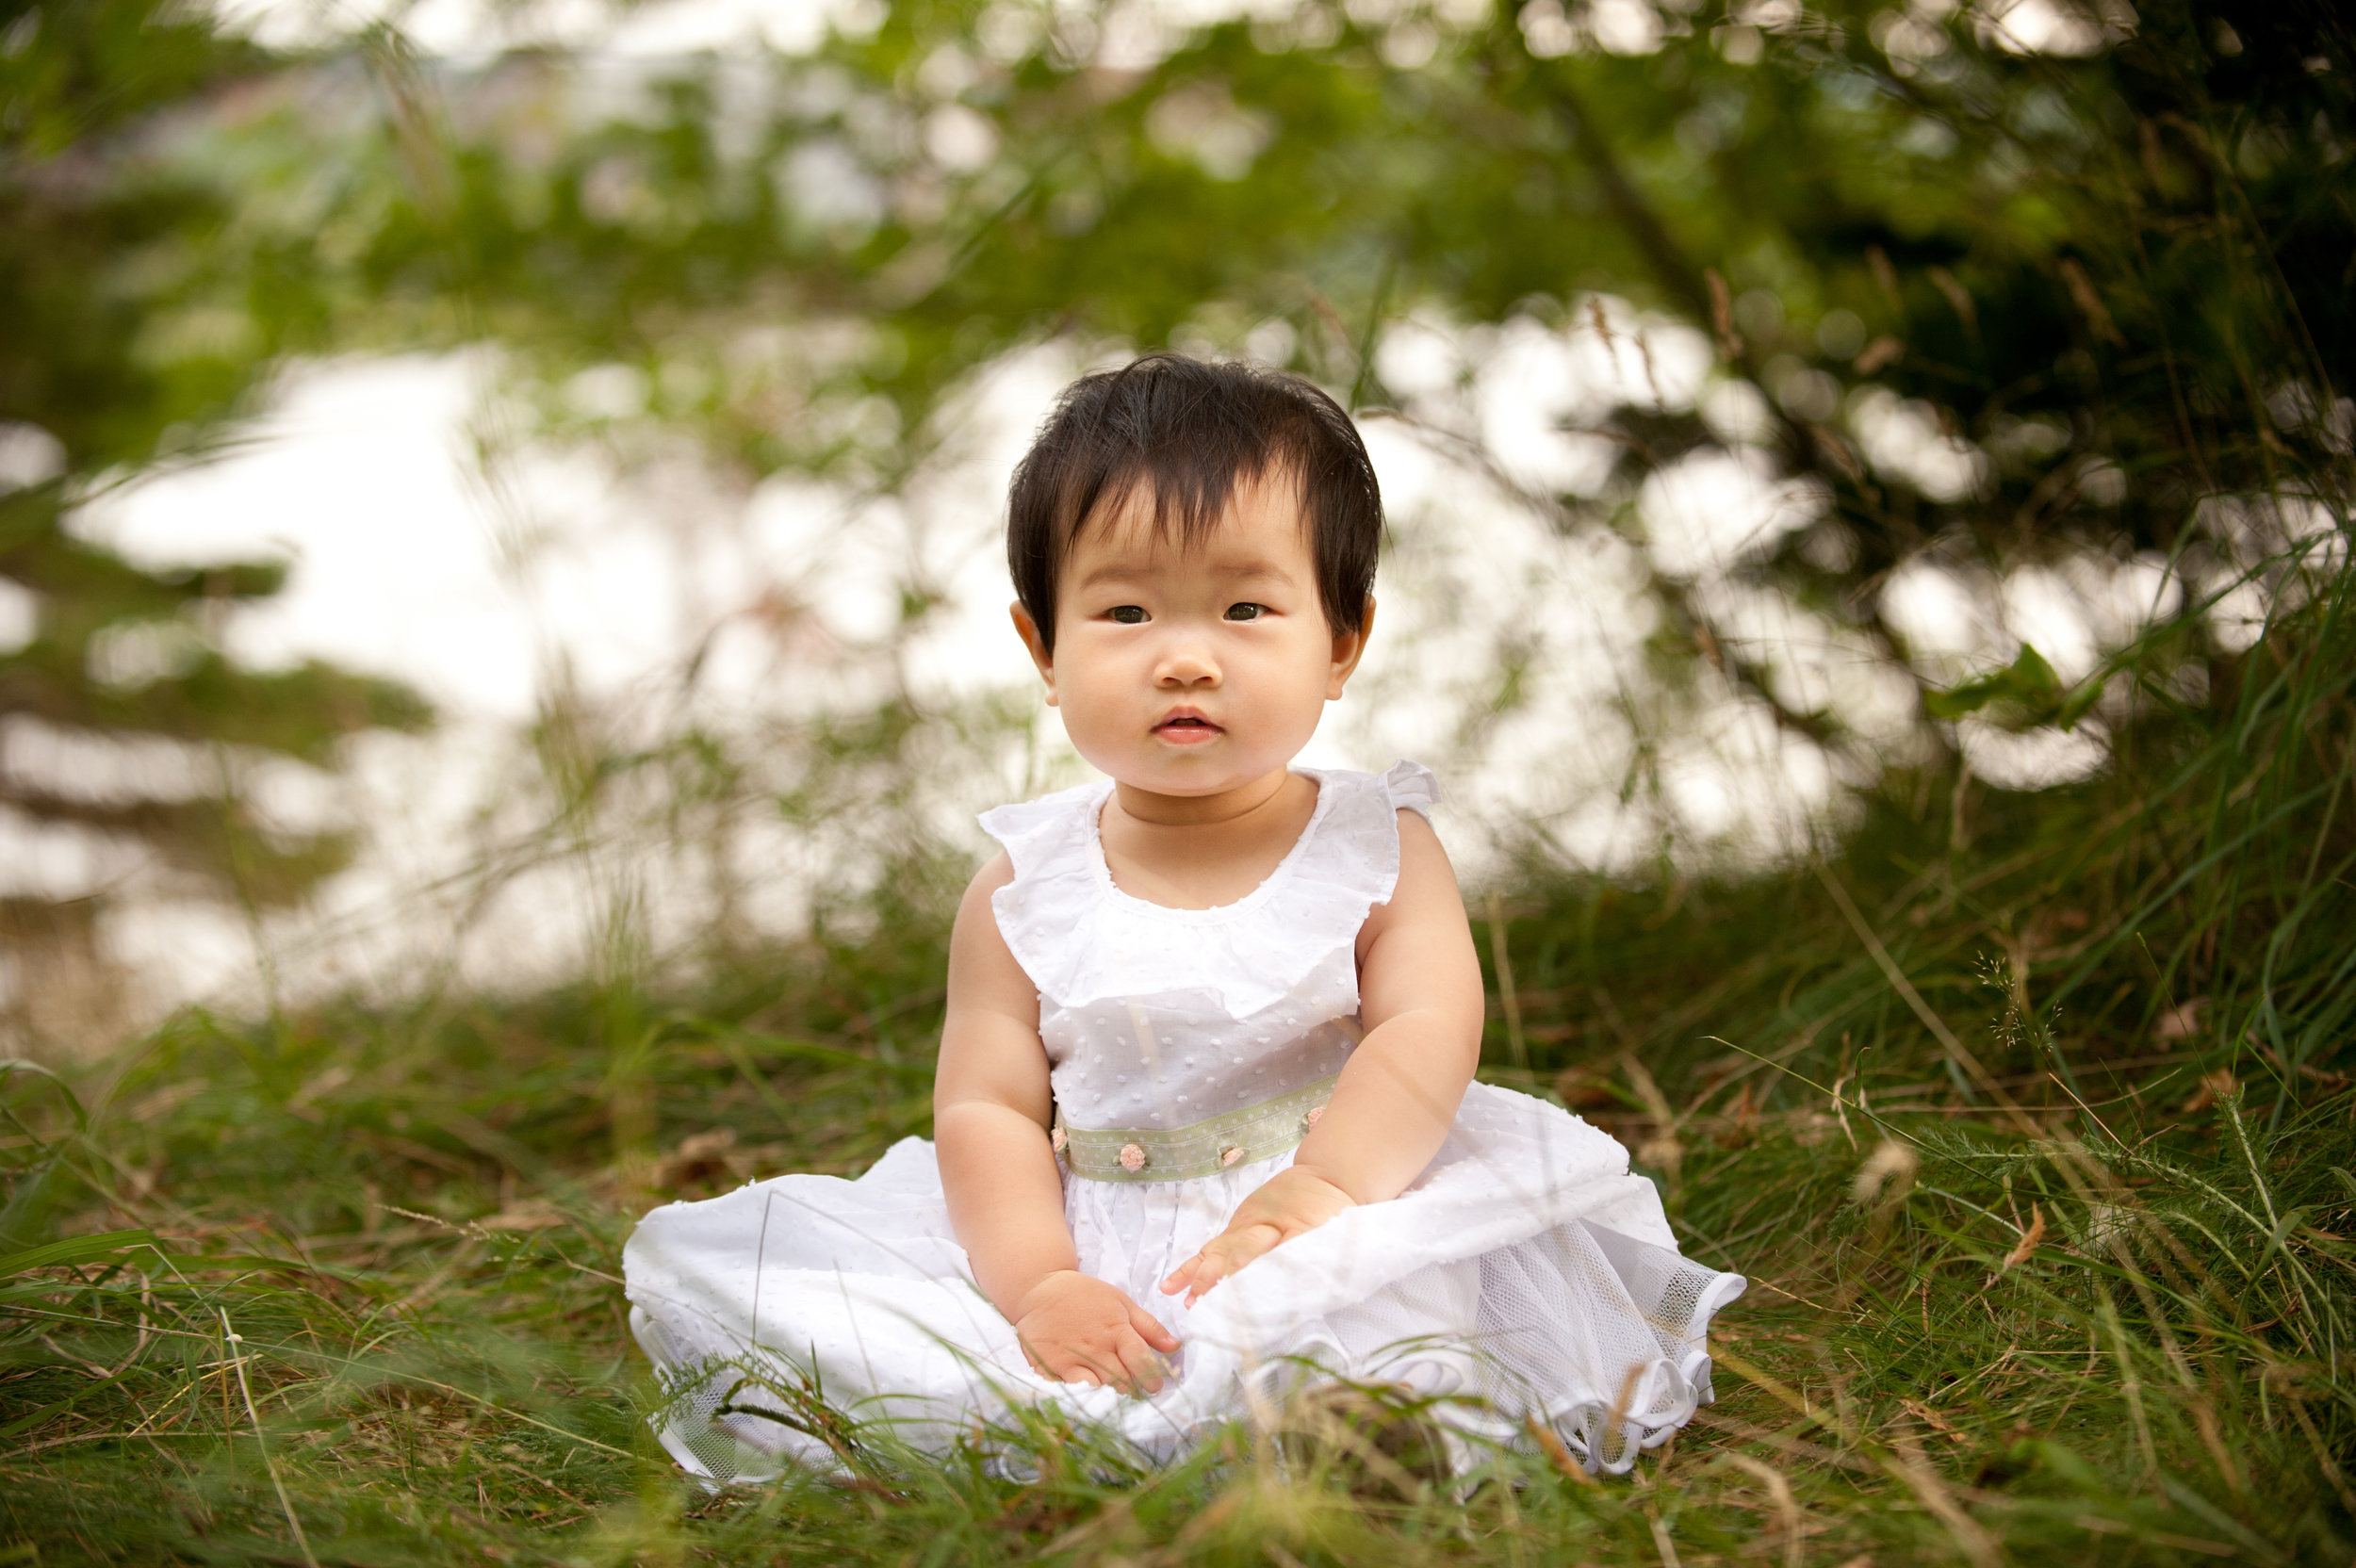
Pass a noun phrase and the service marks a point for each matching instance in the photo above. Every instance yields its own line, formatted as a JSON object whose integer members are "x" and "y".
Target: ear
{"x": 1349, "y": 647}
{"x": 1027, "y": 629}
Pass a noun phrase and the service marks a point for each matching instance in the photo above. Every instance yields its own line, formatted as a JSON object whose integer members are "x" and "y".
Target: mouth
{"x": 1186, "y": 728}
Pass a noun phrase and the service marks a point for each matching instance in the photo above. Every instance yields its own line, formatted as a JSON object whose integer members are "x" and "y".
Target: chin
{"x": 1180, "y": 774}
{"x": 1183, "y": 782}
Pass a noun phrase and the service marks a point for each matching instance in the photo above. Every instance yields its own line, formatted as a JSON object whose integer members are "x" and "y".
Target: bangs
{"x": 1187, "y": 435}
{"x": 1182, "y": 502}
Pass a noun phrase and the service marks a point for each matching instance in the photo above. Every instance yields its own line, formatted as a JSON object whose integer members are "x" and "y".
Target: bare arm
{"x": 991, "y": 1106}
{"x": 1421, "y": 997}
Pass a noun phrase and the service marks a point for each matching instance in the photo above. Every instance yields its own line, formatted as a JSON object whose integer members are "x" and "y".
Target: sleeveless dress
{"x": 1525, "y": 1275}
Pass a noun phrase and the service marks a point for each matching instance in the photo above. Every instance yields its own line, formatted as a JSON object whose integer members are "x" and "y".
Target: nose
{"x": 1186, "y": 663}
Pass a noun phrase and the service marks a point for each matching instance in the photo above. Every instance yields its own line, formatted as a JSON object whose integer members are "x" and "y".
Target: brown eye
{"x": 1246, "y": 611}
{"x": 1127, "y": 615}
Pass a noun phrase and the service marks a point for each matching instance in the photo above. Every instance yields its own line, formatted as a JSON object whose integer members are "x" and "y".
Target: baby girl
{"x": 1205, "y": 1114}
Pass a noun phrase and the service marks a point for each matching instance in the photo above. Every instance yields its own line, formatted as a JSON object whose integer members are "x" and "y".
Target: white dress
{"x": 1526, "y": 1273}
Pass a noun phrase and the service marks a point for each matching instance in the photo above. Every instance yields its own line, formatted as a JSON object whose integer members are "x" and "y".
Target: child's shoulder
{"x": 1024, "y": 819}
{"x": 1044, "y": 844}
{"x": 1411, "y": 786}
{"x": 1351, "y": 798}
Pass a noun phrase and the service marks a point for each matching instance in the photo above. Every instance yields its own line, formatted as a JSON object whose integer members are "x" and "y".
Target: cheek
{"x": 1295, "y": 673}
{"x": 1091, "y": 675}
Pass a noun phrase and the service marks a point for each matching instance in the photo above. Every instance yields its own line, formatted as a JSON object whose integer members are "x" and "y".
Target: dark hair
{"x": 1191, "y": 433}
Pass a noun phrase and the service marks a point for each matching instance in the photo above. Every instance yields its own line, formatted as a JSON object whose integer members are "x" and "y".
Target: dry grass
{"x": 2029, "y": 1117}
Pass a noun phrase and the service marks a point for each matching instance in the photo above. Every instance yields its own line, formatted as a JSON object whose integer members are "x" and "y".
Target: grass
{"x": 2029, "y": 1115}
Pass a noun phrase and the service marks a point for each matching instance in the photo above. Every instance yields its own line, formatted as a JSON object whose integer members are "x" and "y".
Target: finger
{"x": 1230, "y": 1253}
{"x": 1065, "y": 1363}
{"x": 1214, "y": 1268}
{"x": 1178, "y": 1275}
{"x": 1105, "y": 1363}
{"x": 1220, "y": 1261}
{"x": 1152, "y": 1329}
{"x": 1144, "y": 1369}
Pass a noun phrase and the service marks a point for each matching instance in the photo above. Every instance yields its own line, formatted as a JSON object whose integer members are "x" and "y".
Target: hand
{"x": 1291, "y": 1202}
{"x": 1079, "y": 1330}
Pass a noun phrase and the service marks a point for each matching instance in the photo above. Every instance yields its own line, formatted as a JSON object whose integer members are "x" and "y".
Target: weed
{"x": 2030, "y": 1118}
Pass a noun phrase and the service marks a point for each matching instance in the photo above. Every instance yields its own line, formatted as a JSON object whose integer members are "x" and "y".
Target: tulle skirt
{"x": 1525, "y": 1275}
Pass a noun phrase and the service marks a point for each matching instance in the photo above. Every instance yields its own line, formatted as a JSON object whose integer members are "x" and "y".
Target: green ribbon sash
{"x": 1203, "y": 1148}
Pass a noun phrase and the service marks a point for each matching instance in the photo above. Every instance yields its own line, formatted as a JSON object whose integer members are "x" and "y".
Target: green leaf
{"x": 35, "y": 1203}
{"x": 74, "y": 1250}
{"x": 17, "y": 1064}
{"x": 2074, "y": 706}
{"x": 2282, "y": 1230}
{"x": 2027, "y": 683}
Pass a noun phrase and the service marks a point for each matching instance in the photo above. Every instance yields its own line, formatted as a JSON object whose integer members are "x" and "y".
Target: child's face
{"x": 1194, "y": 672}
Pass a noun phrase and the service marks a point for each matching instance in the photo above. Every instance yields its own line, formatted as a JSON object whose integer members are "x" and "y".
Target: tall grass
{"x": 2029, "y": 1115}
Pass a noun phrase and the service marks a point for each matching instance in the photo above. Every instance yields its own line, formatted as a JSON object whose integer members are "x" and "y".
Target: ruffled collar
{"x": 1081, "y": 939}
{"x": 1092, "y": 820}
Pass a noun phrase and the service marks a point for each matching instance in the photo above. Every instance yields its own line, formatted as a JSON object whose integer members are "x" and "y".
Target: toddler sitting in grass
{"x": 1207, "y": 1125}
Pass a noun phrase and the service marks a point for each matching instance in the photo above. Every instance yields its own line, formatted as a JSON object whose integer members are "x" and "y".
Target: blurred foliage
{"x": 2028, "y": 1114}
{"x": 2117, "y": 266}
{"x": 2090, "y": 267}
{"x": 127, "y": 337}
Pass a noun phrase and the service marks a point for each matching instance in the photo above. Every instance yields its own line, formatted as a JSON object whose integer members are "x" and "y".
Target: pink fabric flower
{"x": 1131, "y": 1158}
{"x": 1311, "y": 1119}
{"x": 1230, "y": 1154}
{"x": 1056, "y": 1140}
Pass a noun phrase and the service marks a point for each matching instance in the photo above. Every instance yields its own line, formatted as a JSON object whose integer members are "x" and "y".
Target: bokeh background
{"x": 503, "y": 638}
{"x": 494, "y": 491}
